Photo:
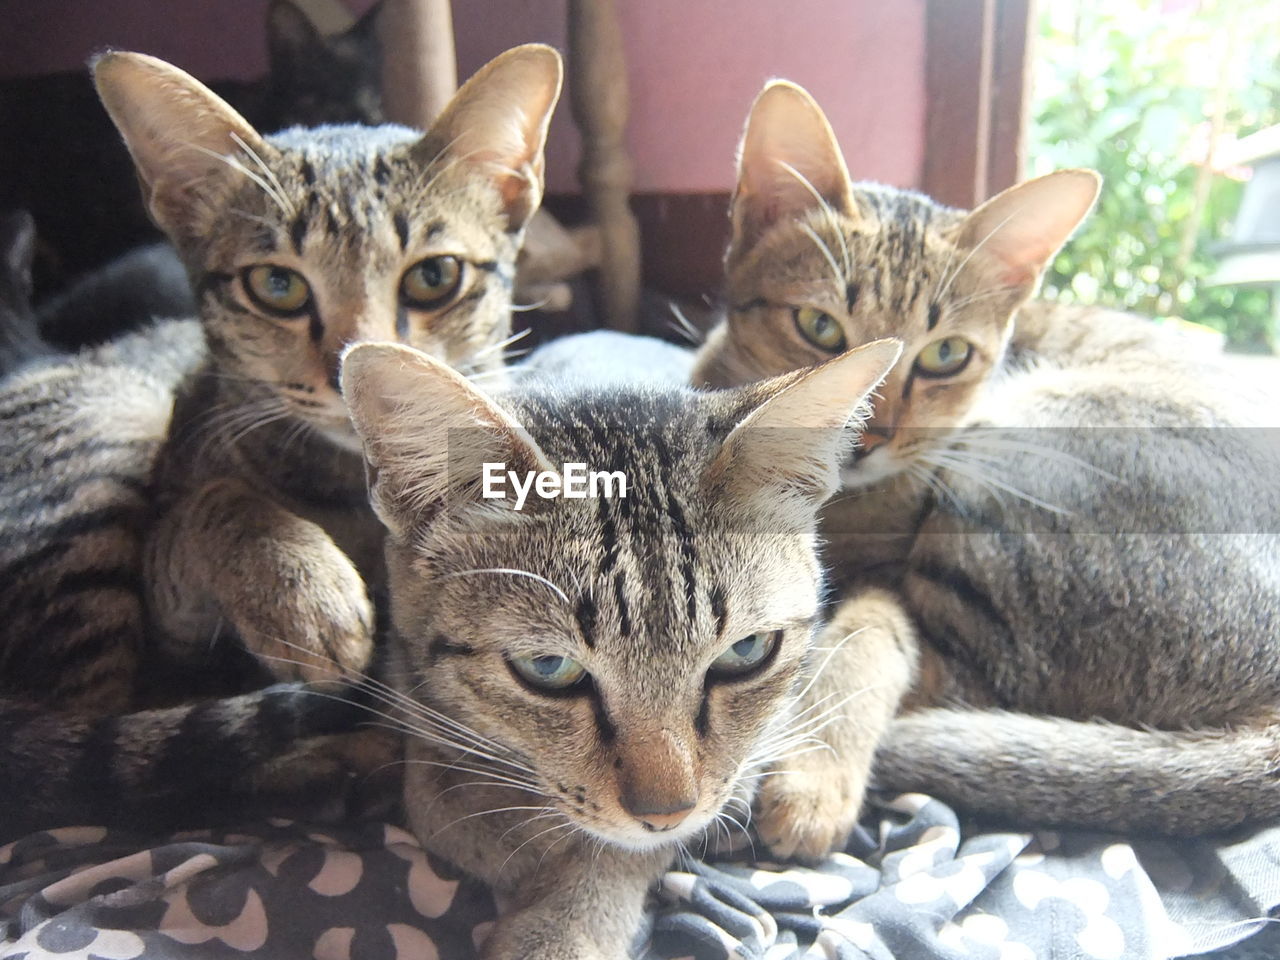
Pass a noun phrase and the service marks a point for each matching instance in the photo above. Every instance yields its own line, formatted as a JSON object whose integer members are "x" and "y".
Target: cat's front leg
{"x": 586, "y": 904}
{"x": 225, "y": 553}
{"x": 561, "y": 893}
{"x": 862, "y": 664}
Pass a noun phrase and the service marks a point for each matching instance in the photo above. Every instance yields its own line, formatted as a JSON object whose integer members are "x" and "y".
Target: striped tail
{"x": 199, "y": 765}
{"x": 1092, "y": 774}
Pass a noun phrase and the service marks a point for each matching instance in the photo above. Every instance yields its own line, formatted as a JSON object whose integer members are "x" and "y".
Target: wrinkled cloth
{"x": 912, "y": 883}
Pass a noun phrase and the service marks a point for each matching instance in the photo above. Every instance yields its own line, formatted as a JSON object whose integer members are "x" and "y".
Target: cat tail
{"x": 1091, "y": 774}
{"x": 202, "y": 764}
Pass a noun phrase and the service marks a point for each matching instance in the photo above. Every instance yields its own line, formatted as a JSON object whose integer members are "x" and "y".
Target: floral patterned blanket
{"x": 914, "y": 882}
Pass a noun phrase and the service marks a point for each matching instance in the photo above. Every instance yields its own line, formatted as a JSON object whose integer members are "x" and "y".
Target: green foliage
{"x": 1131, "y": 89}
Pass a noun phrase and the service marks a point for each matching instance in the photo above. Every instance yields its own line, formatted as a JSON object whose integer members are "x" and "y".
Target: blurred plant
{"x": 1144, "y": 91}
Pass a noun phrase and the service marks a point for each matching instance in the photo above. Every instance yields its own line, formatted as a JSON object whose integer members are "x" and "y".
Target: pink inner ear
{"x": 1016, "y": 273}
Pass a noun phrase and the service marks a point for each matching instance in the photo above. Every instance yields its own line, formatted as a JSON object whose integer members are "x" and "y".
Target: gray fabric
{"x": 603, "y": 358}
{"x": 912, "y": 883}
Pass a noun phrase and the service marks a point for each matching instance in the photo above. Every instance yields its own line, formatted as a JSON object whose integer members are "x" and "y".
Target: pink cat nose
{"x": 659, "y": 816}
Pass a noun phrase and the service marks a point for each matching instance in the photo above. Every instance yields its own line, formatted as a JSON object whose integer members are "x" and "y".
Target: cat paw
{"x": 314, "y": 624}
{"x": 807, "y": 814}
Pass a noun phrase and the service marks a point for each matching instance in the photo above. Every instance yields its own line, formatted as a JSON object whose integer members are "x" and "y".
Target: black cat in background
{"x": 63, "y": 161}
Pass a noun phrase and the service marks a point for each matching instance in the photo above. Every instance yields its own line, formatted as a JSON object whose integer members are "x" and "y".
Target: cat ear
{"x": 499, "y": 120}
{"x": 788, "y": 163}
{"x": 18, "y": 247}
{"x": 184, "y": 139}
{"x": 794, "y": 441}
{"x": 1020, "y": 229}
{"x": 427, "y": 431}
{"x": 290, "y": 35}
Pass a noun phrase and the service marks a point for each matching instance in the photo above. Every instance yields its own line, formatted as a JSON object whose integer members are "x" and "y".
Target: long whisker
{"x": 942, "y": 292}
{"x": 235, "y": 164}
{"x": 832, "y": 221}
{"x": 683, "y": 326}
{"x": 266, "y": 172}
{"x": 512, "y": 571}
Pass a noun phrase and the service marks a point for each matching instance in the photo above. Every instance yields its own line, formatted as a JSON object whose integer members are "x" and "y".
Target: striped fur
{"x": 184, "y": 510}
{"x": 1095, "y": 597}
{"x": 262, "y": 464}
{"x": 596, "y": 783}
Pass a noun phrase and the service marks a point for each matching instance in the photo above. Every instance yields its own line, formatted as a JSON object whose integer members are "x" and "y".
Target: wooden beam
{"x": 598, "y": 95}
{"x": 1010, "y": 95}
{"x": 419, "y": 66}
{"x": 959, "y": 41}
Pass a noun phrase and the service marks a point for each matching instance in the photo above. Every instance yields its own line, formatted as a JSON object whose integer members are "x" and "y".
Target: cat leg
{"x": 226, "y": 554}
{"x": 862, "y": 664}
{"x": 561, "y": 893}
{"x": 587, "y": 904}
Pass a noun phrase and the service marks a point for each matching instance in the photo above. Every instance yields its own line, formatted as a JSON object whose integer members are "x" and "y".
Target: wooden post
{"x": 958, "y": 59}
{"x": 598, "y": 95}
{"x": 419, "y": 65}
{"x": 1010, "y": 95}
{"x": 976, "y": 92}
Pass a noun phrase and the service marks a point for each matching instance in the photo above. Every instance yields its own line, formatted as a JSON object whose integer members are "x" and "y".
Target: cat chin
{"x": 645, "y": 842}
{"x": 638, "y": 840}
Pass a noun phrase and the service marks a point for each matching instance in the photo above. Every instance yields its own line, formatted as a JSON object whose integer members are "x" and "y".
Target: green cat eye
{"x": 944, "y": 357}
{"x": 277, "y": 289}
{"x": 820, "y": 329}
{"x": 548, "y": 671}
{"x": 431, "y": 282}
{"x": 746, "y": 654}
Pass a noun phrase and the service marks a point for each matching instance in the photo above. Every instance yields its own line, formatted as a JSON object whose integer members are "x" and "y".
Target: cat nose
{"x": 871, "y": 438}
{"x": 658, "y": 816}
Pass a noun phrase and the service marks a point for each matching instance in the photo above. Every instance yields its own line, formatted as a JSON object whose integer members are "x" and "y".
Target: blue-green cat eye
{"x": 746, "y": 654}
{"x": 548, "y": 671}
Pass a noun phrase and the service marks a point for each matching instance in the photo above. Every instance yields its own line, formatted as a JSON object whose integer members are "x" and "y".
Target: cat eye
{"x": 746, "y": 655}
{"x": 431, "y": 282}
{"x": 944, "y": 357}
{"x": 548, "y": 672}
{"x": 820, "y": 329}
{"x": 276, "y": 289}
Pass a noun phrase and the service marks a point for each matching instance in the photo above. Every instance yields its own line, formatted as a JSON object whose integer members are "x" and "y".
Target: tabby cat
{"x": 1057, "y": 525}
{"x": 63, "y": 161}
{"x": 588, "y": 685}
{"x": 298, "y": 245}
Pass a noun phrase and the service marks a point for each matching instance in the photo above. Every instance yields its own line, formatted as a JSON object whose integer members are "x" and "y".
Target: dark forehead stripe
{"x": 719, "y": 608}
{"x": 620, "y": 599}
{"x": 850, "y": 296}
{"x": 402, "y": 228}
{"x": 680, "y": 527}
{"x": 298, "y": 232}
{"x": 585, "y": 613}
{"x": 381, "y": 172}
